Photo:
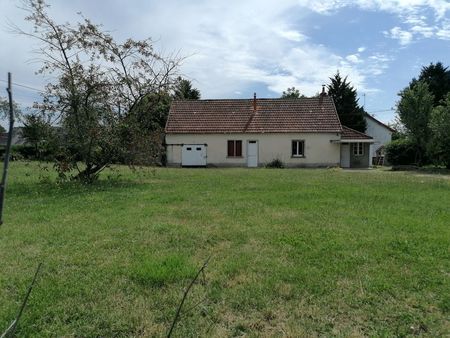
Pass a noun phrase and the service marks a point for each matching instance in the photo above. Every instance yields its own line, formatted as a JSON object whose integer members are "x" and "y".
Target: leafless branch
{"x": 186, "y": 292}
{"x": 12, "y": 328}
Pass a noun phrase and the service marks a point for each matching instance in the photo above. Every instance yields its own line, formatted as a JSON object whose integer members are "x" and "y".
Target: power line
{"x": 24, "y": 86}
{"x": 381, "y": 111}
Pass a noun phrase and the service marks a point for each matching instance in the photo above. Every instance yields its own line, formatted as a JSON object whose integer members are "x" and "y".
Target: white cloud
{"x": 404, "y": 37}
{"x": 238, "y": 45}
{"x": 291, "y": 35}
{"x": 354, "y": 58}
{"x": 414, "y": 14}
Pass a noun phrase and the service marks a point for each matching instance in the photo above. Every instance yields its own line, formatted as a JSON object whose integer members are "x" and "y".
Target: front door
{"x": 252, "y": 154}
{"x": 345, "y": 155}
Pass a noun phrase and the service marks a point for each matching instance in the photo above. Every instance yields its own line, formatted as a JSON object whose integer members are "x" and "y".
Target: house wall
{"x": 319, "y": 151}
{"x": 380, "y": 134}
{"x": 360, "y": 161}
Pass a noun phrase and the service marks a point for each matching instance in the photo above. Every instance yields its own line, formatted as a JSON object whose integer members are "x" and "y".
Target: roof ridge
{"x": 250, "y": 99}
{"x": 379, "y": 122}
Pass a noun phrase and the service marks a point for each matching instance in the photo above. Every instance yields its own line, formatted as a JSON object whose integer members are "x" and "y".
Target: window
{"x": 298, "y": 148}
{"x": 358, "y": 149}
{"x": 234, "y": 148}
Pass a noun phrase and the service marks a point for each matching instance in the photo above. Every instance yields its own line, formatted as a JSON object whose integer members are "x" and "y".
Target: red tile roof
{"x": 352, "y": 134}
{"x": 308, "y": 115}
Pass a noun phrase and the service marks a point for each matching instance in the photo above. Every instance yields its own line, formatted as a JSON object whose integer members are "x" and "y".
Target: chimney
{"x": 254, "y": 102}
{"x": 322, "y": 95}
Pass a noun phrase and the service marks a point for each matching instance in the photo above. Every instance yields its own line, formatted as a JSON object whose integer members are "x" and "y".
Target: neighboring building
{"x": 17, "y": 138}
{"x": 382, "y": 135}
{"x": 302, "y": 132}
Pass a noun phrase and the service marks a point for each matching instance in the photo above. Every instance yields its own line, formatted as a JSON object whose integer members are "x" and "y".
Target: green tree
{"x": 292, "y": 93}
{"x": 438, "y": 79}
{"x": 346, "y": 101}
{"x": 39, "y": 133}
{"x": 414, "y": 111}
{"x": 98, "y": 83}
{"x": 440, "y": 136}
{"x": 184, "y": 91}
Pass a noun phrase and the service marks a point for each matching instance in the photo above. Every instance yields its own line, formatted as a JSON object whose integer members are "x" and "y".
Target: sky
{"x": 237, "y": 47}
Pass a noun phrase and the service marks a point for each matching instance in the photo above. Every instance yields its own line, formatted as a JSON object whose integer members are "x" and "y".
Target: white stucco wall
{"x": 380, "y": 134}
{"x": 319, "y": 151}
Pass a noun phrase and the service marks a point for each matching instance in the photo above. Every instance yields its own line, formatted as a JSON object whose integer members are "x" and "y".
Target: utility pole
{"x": 8, "y": 149}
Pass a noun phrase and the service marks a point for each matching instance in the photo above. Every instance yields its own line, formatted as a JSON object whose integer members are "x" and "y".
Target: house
{"x": 17, "y": 138}
{"x": 382, "y": 135}
{"x": 302, "y": 132}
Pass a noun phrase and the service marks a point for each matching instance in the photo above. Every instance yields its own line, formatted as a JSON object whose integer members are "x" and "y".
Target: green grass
{"x": 294, "y": 253}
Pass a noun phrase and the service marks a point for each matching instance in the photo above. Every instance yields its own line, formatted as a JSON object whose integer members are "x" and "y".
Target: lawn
{"x": 321, "y": 252}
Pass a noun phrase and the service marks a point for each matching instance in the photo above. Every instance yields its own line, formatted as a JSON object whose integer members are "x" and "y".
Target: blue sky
{"x": 235, "y": 48}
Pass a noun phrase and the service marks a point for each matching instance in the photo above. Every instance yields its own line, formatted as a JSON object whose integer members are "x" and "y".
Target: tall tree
{"x": 184, "y": 91}
{"x": 440, "y": 132}
{"x": 346, "y": 101}
{"x": 438, "y": 79}
{"x": 98, "y": 83}
{"x": 414, "y": 110}
{"x": 292, "y": 93}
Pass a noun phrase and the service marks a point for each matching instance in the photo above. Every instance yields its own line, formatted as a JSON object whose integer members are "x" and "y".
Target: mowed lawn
{"x": 321, "y": 252}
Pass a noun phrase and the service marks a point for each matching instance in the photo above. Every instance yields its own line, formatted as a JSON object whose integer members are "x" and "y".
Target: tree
{"x": 346, "y": 101}
{"x": 414, "y": 110}
{"x": 292, "y": 93}
{"x": 438, "y": 79}
{"x": 2, "y": 129}
{"x": 183, "y": 90}
{"x": 99, "y": 85}
{"x": 39, "y": 133}
{"x": 440, "y": 128}
{"x": 4, "y": 108}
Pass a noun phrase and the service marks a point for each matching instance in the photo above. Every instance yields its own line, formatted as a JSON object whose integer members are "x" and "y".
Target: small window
{"x": 189, "y": 148}
{"x": 198, "y": 148}
{"x": 298, "y": 148}
{"x": 234, "y": 148}
{"x": 358, "y": 149}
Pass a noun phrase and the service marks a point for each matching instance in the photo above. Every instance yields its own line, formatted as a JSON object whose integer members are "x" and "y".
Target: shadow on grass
{"x": 64, "y": 189}
{"x": 422, "y": 170}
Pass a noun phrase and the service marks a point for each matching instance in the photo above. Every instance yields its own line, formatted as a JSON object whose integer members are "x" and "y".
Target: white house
{"x": 381, "y": 134}
{"x": 300, "y": 132}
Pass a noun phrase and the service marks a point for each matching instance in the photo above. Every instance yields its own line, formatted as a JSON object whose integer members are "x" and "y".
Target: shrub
{"x": 401, "y": 152}
{"x": 276, "y": 163}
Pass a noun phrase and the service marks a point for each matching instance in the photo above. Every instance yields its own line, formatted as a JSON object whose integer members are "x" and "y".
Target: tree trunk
{"x": 90, "y": 174}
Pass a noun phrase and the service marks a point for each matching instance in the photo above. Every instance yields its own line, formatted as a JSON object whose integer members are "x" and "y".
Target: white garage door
{"x": 193, "y": 155}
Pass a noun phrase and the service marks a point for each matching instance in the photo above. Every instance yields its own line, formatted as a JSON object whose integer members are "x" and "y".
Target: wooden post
{"x": 8, "y": 148}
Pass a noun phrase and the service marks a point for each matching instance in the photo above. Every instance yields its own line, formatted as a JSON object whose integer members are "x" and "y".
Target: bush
{"x": 401, "y": 152}
{"x": 276, "y": 163}
{"x": 19, "y": 152}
